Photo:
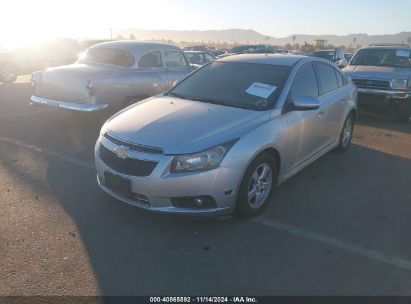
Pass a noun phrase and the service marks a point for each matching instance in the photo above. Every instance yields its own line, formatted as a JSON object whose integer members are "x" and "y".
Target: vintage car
{"x": 111, "y": 75}
{"x": 199, "y": 58}
{"x": 27, "y": 59}
{"x": 382, "y": 74}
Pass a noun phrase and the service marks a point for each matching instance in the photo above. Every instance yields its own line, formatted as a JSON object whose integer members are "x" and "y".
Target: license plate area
{"x": 118, "y": 184}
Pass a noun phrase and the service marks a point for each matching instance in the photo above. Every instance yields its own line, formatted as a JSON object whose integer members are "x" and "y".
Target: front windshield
{"x": 108, "y": 56}
{"x": 235, "y": 84}
{"x": 328, "y": 55}
{"x": 196, "y": 58}
{"x": 399, "y": 58}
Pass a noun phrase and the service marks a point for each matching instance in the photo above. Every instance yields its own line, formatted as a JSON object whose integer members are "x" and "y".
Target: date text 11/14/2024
{"x": 203, "y": 300}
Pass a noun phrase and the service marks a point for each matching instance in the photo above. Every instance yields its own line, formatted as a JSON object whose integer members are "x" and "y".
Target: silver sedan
{"x": 225, "y": 136}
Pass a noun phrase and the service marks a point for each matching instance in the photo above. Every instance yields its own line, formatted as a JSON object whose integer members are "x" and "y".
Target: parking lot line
{"x": 347, "y": 246}
{"x": 67, "y": 158}
{"x": 319, "y": 238}
{"x": 24, "y": 113}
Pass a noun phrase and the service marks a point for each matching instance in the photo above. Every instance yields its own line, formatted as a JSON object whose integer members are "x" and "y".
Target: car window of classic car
{"x": 230, "y": 84}
{"x": 305, "y": 83}
{"x": 174, "y": 59}
{"x": 108, "y": 56}
{"x": 327, "y": 78}
{"x": 391, "y": 57}
{"x": 151, "y": 60}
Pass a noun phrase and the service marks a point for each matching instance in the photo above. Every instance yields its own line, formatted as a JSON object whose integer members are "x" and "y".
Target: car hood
{"x": 376, "y": 72}
{"x": 182, "y": 126}
{"x": 68, "y": 83}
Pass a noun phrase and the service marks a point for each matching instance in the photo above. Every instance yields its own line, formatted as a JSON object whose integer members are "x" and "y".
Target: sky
{"x": 31, "y": 20}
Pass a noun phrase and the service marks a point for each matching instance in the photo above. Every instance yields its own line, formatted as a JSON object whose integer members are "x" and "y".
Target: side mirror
{"x": 305, "y": 103}
{"x": 342, "y": 63}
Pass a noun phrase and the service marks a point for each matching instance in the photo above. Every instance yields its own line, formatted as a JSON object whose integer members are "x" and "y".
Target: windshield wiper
{"x": 259, "y": 104}
{"x": 212, "y": 101}
{"x": 172, "y": 94}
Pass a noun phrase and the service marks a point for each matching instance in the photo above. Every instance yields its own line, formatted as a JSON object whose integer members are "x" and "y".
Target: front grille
{"x": 372, "y": 84}
{"x": 134, "y": 147}
{"x": 128, "y": 166}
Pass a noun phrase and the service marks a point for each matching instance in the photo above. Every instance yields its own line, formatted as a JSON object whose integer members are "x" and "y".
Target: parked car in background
{"x": 239, "y": 49}
{"x": 348, "y": 56}
{"x": 199, "y": 58}
{"x": 335, "y": 55}
{"x": 224, "y": 137}
{"x": 111, "y": 75}
{"x": 26, "y": 60}
{"x": 382, "y": 74}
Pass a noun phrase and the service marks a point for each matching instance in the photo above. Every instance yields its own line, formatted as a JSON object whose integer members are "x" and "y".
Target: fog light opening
{"x": 198, "y": 202}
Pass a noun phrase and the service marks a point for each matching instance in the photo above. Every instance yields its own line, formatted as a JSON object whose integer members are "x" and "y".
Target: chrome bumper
{"x": 67, "y": 105}
{"x": 395, "y": 94}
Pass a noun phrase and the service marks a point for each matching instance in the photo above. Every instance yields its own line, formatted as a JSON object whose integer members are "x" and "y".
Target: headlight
{"x": 399, "y": 84}
{"x": 207, "y": 160}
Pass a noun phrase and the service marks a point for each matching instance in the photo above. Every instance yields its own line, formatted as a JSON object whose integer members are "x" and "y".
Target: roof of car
{"x": 398, "y": 46}
{"x": 274, "y": 59}
{"x": 136, "y": 46}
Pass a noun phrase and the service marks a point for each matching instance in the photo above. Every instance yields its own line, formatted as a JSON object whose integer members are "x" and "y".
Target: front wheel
{"x": 346, "y": 134}
{"x": 257, "y": 186}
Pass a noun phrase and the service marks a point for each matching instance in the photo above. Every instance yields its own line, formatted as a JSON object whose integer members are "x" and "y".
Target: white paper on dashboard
{"x": 261, "y": 90}
{"x": 403, "y": 53}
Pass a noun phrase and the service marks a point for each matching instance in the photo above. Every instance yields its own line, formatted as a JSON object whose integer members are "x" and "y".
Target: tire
{"x": 8, "y": 75}
{"x": 251, "y": 183}
{"x": 403, "y": 112}
{"x": 346, "y": 134}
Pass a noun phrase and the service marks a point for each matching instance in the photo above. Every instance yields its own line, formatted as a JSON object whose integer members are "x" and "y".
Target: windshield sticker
{"x": 261, "y": 90}
{"x": 402, "y": 53}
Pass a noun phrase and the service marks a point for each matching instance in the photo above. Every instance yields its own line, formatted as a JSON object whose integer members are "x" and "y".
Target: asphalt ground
{"x": 340, "y": 227}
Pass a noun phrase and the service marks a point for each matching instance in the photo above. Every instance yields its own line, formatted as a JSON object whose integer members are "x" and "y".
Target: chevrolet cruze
{"x": 224, "y": 137}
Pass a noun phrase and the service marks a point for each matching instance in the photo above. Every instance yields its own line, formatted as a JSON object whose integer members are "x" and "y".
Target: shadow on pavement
{"x": 133, "y": 252}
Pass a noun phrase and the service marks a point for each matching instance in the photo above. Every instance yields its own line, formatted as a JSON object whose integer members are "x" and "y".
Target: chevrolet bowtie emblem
{"x": 121, "y": 152}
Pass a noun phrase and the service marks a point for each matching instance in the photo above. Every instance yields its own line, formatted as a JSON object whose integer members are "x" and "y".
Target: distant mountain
{"x": 250, "y": 36}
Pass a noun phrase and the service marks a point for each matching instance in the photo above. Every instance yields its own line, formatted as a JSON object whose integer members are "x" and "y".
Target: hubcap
{"x": 260, "y": 186}
{"x": 347, "y": 132}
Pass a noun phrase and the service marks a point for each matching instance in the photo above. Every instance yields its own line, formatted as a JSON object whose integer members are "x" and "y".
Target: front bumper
{"x": 161, "y": 186}
{"x": 35, "y": 100}
{"x": 388, "y": 93}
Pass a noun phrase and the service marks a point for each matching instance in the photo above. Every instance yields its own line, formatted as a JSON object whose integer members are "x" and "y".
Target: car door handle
{"x": 320, "y": 114}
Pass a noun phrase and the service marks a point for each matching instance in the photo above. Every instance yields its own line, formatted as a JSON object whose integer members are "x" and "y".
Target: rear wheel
{"x": 346, "y": 134}
{"x": 257, "y": 186}
{"x": 8, "y": 75}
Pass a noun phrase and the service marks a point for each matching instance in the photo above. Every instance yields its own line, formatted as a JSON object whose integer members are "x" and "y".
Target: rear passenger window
{"x": 305, "y": 83}
{"x": 328, "y": 78}
{"x": 151, "y": 60}
{"x": 174, "y": 59}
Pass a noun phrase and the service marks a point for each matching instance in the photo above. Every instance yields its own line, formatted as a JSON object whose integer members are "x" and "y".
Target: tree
{"x": 132, "y": 37}
{"x": 294, "y": 37}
